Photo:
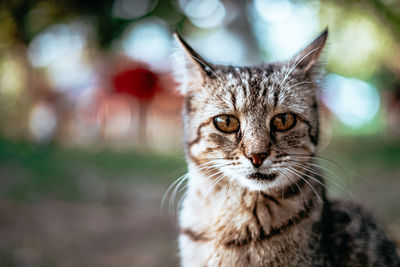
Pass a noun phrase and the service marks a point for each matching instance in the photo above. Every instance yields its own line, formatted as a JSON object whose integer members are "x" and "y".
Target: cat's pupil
{"x": 283, "y": 118}
{"x": 227, "y": 121}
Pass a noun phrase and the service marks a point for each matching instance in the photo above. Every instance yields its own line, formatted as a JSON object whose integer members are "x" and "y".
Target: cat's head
{"x": 252, "y": 125}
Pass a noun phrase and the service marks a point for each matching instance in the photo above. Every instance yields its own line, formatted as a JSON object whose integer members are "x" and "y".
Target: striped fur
{"x": 276, "y": 214}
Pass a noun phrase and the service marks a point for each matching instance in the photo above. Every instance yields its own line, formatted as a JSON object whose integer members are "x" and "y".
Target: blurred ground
{"x": 73, "y": 208}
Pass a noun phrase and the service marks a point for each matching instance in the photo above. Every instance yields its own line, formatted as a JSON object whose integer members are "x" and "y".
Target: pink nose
{"x": 257, "y": 159}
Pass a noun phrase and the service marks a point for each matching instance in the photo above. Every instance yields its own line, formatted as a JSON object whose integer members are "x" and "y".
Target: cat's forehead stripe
{"x": 253, "y": 85}
{"x": 243, "y": 90}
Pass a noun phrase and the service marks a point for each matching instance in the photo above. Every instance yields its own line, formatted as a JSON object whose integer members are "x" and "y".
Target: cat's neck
{"x": 234, "y": 215}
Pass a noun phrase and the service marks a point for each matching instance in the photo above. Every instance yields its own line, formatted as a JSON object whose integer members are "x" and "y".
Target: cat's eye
{"x": 226, "y": 123}
{"x": 283, "y": 122}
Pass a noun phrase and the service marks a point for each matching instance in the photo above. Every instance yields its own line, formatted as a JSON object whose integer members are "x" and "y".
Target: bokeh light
{"x": 274, "y": 11}
{"x": 204, "y": 13}
{"x": 43, "y": 122}
{"x": 356, "y": 49}
{"x": 283, "y": 28}
{"x": 220, "y": 45}
{"x": 149, "y": 41}
{"x": 12, "y": 76}
{"x": 60, "y": 50}
{"x": 353, "y": 101}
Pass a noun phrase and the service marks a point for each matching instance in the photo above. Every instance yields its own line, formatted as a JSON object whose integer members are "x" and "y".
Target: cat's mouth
{"x": 262, "y": 176}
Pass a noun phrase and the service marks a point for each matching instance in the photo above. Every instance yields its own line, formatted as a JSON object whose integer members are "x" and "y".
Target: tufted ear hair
{"x": 308, "y": 56}
{"x": 189, "y": 67}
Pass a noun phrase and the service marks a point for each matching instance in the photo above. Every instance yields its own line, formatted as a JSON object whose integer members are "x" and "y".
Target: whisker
{"x": 315, "y": 165}
{"x": 299, "y": 61}
{"x": 329, "y": 171}
{"x": 305, "y": 180}
{"x": 343, "y": 204}
{"x": 309, "y": 176}
{"x": 340, "y": 186}
{"x": 285, "y": 174}
{"x": 181, "y": 199}
{"x": 288, "y": 72}
{"x": 211, "y": 168}
{"x": 170, "y": 193}
{"x": 172, "y": 199}
{"x": 172, "y": 185}
{"x": 326, "y": 160}
{"x": 294, "y": 85}
{"x": 208, "y": 163}
{"x": 213, "y": 184}
{"x": 323, "y": 169}
{"x": 229, "y": 185}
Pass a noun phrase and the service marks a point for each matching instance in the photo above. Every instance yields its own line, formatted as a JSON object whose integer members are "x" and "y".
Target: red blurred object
{"x": 142, "y": 84}
{"x": 139, "y": 82}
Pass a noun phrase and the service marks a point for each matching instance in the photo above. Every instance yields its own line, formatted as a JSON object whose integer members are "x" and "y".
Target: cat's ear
{"x": 189, "y": 67}
{"x": 308, "y": 57}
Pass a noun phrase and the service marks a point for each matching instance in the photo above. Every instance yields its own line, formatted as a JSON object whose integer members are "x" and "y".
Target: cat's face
{"x": 252, "y": 125}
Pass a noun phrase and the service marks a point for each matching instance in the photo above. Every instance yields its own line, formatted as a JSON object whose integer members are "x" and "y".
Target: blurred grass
{"x": 29, "y": 170}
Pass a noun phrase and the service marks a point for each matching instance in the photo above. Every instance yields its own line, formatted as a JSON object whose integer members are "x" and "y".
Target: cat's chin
{"x": 259, "y": 181}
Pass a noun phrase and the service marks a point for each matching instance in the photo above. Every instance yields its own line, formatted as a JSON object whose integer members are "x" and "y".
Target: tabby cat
{"x": 255, "y": 194}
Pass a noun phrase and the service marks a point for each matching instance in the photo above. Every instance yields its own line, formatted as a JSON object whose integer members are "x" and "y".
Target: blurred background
{"x": 90, "y": 128}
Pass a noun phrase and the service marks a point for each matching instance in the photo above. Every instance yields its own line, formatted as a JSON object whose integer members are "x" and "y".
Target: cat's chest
{"x": 246, "y": 245}
{"x": 230, "y": 227}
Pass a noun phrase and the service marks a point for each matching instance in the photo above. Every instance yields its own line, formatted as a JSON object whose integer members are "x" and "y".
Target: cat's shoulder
{"x": 356, "y": 236}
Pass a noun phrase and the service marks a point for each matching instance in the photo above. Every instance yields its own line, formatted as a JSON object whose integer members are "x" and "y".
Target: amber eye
{"x": 226, "y": 123}
{"x": 283, "y": 122}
